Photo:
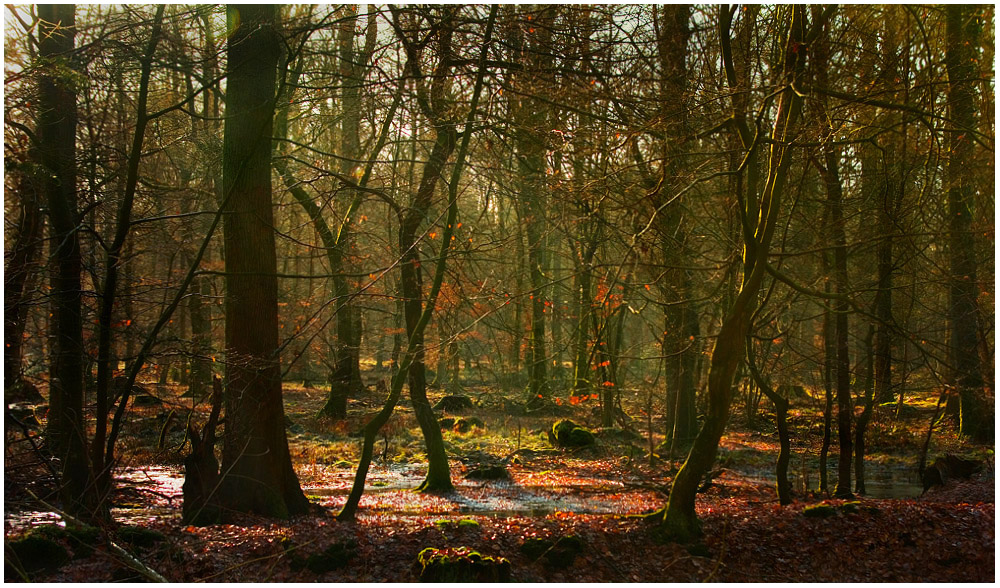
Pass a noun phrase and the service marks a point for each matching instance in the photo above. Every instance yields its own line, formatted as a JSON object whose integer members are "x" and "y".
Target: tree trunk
{"x": 438, "y": 471}
{"x": 866, "y": 414}
{"x": 680, "y": 331}
{"x": 123, "y": 224}
{"x": 256, "y": 465}
{"x": 582, "y": 379}
{"x": 783, "y": 487}
{"x": 531, "y": 115}
{"x": 828, "y": 356}
{"x": 414, "y": 345}
{"x": 842, "y": 365}
{"x": 680, "y": 521}
{"x": 57, "y": 118}
{"x": 960, "y": 58}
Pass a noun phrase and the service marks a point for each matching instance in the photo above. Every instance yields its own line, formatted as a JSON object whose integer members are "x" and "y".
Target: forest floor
{"x": 593, "y": 494}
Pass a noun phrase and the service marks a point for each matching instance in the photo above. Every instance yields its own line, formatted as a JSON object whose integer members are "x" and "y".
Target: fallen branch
{"x": 129, "y": 560}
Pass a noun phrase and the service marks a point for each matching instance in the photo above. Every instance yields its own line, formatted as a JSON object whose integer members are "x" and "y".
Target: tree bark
{"x": 57, "y": 118}
{"x": 866, "y": 413}
{"x": 438, "y": 471}
{"x": 976, "y": 415}
{"x": 830, "y": 170}
{"x": 256, "y": 465}
{"x": 680, "y": 321}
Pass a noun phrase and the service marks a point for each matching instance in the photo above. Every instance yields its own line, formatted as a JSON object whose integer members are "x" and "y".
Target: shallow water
{"x": 155, "y": 493}
{"x": 880, "y": 482}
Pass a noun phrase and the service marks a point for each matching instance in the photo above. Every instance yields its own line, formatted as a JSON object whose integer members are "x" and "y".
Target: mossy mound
{"x": 32, "y": 554}
{"x": 454, "y": 403}
{"x": 488, "y": 472}
{"x": 82, "y": 540}
{"x": 140, "y": 537}
{"x": 856, "y": 506}
{"x": 819, "y": 511}
{"x": 446, "y": 524}
{"x": 558, "y": 554}
{"x": 460, "y": 564}
{"x": 465, "y": 424}
{"x": 566, "y": 433}
{"x": 906, "y": 411}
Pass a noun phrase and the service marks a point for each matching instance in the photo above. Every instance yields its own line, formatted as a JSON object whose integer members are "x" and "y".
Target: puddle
{"x": 29, "y": 518}
{"x": 502, "y": 499}
{"x": 880, "y": 482}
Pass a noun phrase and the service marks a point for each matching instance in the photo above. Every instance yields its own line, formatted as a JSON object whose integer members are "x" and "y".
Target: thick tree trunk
{"x": 961, "y": 58}
{"x": 57, "y": 118}
{"x": 256, "y": 465}
{"x": 842, "y": 365}
{"x": 828, "y": 356}
{"x": 680, "y": 330}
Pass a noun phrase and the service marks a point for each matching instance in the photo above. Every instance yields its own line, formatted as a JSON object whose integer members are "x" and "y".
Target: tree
{"x": 679, "y": 520}
{"x": 963, "y": 27}
{"x": 532, "y": 50}
{"x": 680, "y": 321}
{"x": 257, "y": 468}
{"x": 57, "y": 118}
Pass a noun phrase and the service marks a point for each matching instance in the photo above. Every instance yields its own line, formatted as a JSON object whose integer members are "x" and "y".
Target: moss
{"x": 82, "y": 540}
{"x": 446, "y": 524}
{"x": 465, "y": 424}
{"x": 566, "y": 433}
{"x": 856, "y": 506}
{"x": 850, "y": 507}
{"x": 332, "y": 558}
{"x": 580, "y": 437}
{"x": 33, "y": 553}
{"x": 819, "y": 511}
{"x": 140, "y": 536}
{"x": 460, "y": 564}
{"x": 454, "y": 403}
{"x": 561, "y": 430}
